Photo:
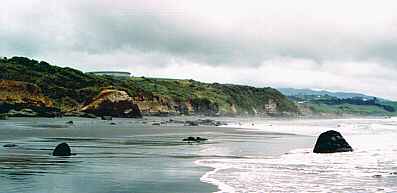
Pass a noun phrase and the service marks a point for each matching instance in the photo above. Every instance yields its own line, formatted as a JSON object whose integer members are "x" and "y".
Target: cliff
{"x": 72, "y": 90}
{"x": 18, "y": 92}
{"x": 18, "y": 96}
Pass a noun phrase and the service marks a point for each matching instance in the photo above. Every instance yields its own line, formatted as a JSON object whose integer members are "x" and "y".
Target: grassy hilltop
{"x": 70, "y": 88}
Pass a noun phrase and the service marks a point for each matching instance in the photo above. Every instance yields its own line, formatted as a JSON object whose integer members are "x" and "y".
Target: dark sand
{"x": 129, "y": 156}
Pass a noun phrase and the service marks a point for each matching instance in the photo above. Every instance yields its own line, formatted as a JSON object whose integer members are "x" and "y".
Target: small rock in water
{"x": 112, "y": 123}
{"x": 191, "y": 123}
{"x": 62, "y": 149}
{"x": 70, "y": 122}
{"x": 194, "y": 139}
{"x": 331, "y": 142}
{"x": 156, "y": 124}
{"x": 107, "y": 118}
{"x": 10, "y": 145}
{"x": 377, "y": 176}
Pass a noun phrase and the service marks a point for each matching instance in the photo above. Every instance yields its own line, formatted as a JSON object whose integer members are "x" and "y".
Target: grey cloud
{"x": 92, "y": 34}
{"x": 95, "y": 28}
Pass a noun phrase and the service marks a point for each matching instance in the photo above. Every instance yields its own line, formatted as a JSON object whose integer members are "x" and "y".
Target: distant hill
{"x": 339, "y": 103}
{"x": 339, "y": 95}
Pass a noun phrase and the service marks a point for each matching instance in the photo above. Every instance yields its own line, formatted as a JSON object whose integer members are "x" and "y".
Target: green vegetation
{"x": 244, "y": 98}
{"x": 327, "y": 104}
{"x": 69, "y": 88}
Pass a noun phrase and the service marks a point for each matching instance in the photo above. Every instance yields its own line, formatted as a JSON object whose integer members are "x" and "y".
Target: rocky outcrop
{"x": 205, "y": 106}
{"x": 22, "y": 113}
{"x": 194, "y": 139}
{"x": 24, "y": 99}
{"x": 331, "y": 142}
{"x": 62, "y": 149}
{"x": 204, "y": 122}
{"x": 112, "y": 102}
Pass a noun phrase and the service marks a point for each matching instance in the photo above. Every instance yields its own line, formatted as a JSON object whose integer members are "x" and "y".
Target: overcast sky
{"x": 331, "y": 44}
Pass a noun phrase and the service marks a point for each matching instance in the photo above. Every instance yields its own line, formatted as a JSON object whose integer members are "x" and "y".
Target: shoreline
{"x": 130, "y": 148}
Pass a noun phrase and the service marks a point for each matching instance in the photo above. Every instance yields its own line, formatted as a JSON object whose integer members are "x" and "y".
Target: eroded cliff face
{"x": 23, "y": 93}
{"x": 19, "y": 98}
{"x": 112, "y": 102}
{"x": 159, "y": 105}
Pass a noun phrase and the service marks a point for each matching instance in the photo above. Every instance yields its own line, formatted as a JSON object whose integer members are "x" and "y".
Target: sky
{"x": 331, "y": 44}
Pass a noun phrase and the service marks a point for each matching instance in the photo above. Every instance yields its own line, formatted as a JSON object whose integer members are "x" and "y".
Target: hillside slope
{"x": 318, "y": 105}
{"x": 310, "y": 92}
{"x": 70, "y": 89}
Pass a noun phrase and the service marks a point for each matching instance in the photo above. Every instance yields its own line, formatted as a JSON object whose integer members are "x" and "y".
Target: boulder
{"x": 331, "y": 142}
{"x": 112, "y": 102}
{"x": 62, "y": 149}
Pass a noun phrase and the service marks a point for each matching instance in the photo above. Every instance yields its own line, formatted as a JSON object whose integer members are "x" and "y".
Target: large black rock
{"x": 331, "y": 142}
{"x": 62, "y": 149}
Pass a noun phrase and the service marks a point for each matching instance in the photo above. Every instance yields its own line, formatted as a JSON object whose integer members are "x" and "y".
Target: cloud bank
{"x": 335, "y": 45}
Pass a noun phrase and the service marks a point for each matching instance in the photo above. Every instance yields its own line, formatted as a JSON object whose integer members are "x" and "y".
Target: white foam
{"x": 370, "y": 168}
{"x": 223, "y": 187}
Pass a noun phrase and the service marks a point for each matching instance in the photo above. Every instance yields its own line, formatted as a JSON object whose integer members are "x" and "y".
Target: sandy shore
{"x": 130, "y": 155}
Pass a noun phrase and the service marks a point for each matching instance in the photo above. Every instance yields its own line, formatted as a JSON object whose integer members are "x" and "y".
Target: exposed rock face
{"x": 205, "y": 106}
{"x": 331, "y": 142}
{"x": 160, "y": 105}
{"x": 270, "y": 107}
{"x": 24, "y": 99}
{"x": 23, "y": 93}
{"x": 115, "y": 103}
{"x": 62, "y": 149}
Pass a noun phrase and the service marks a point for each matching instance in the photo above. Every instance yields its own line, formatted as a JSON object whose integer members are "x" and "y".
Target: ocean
{"x": 247, "y": 155}
{"x": 372, "y": 167}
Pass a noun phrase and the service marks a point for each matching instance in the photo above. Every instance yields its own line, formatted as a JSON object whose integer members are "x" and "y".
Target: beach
{"x": 247, "y": 155}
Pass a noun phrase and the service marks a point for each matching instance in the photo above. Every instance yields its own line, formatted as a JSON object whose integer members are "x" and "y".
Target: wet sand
{"x": 129, "y": 156}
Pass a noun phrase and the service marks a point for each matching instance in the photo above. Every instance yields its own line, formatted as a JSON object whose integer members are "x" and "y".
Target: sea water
{"x": 372, "y": 167}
